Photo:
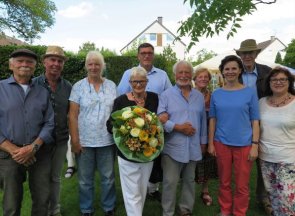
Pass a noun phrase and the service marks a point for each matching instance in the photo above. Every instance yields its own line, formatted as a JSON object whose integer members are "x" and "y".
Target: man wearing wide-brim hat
{"x": 59, "y": 90}
{"x": 26, "y": 126}
{"x": 253, "y": 76}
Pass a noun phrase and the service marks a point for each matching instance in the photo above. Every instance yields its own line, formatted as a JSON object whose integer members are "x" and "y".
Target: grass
{"x": 70, "y": 203}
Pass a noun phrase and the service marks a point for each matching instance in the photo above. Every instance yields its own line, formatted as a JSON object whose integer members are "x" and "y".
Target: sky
{"x": 114, "y": 23}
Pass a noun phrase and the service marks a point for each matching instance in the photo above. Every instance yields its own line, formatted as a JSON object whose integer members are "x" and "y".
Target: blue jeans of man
{"x": 102, "y": 159}
{"x": 57, "y": 162}
{"x": 13, "y": 175}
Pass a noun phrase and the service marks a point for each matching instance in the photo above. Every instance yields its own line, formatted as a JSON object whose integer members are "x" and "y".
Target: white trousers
{"x": 70, "y": 155}
{"x": 134, "y": 179}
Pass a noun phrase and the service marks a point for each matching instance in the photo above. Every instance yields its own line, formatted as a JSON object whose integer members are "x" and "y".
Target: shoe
{"x": 155, "y": 196}
{"x": 86, "y": 214}
{"x": 70, "y": 172}
{"x": 110, "y": 213}
{"x": 183, "y": 212}
{"x": 206, "y": 198}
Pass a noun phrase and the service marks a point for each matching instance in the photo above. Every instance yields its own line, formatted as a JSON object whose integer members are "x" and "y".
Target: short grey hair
{"x": 138, "y": 71}
{"x": 183, "y": 62}
{"x": 95, "y": 55}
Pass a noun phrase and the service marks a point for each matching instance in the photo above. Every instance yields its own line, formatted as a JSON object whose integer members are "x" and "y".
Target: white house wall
{"x": 270, "y": 52}
{"x": 156, "y": 28}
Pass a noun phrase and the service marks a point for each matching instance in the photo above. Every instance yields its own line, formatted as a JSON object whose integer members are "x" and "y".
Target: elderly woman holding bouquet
{"x": 130, "y": 125}
{"x": 277, "y": 141}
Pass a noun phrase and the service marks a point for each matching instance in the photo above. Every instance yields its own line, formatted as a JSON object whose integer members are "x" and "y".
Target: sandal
{"x": 70, "y": 172}
{"x": 206, "y": 198}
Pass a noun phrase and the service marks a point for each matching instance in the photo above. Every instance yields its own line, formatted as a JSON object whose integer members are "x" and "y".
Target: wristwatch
{"x": 35, "y": 147}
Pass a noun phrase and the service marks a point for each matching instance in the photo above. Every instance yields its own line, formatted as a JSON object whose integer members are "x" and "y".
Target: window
{"x": 153, "y": 37}
{"x": 169, "y": 38}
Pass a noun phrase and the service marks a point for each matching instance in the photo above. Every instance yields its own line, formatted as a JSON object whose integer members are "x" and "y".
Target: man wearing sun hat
{"x": 253, "y": 76}
{"x": 26, "y": 125}
{"x": 59, "y": 90}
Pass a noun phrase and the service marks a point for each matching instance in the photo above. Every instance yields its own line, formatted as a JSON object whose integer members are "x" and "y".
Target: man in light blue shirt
{"x": 186, "y": 125}
{"x": 158, "y": 82}
{"x": 158, "y": 79}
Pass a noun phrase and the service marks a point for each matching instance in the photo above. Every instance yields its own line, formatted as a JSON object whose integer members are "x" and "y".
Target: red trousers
{"x": 233, "y": 158}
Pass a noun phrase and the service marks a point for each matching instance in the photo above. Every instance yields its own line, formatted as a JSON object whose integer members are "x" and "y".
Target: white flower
{"x": 153, "y": 142}
{"x": 149, "y": 117}
{"x": 127, "y": 114}
{"x": 135, "y": 132}
{"x": 139, "y": 122}
{"x": 123, "y": 129}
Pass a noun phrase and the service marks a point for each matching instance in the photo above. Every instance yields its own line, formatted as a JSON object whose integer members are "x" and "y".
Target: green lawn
{"x": 70, "y": 205}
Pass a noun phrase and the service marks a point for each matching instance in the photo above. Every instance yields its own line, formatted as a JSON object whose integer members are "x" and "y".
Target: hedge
{"x": 74, "y": 67}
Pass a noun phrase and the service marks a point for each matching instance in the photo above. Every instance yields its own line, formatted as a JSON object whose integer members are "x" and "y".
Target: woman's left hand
{"x": 253, "y": 154}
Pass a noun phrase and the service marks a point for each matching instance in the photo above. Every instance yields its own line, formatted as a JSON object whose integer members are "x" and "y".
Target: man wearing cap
{"x": 253, "y": 76}
{"x": 59, "y": 90}
{"x": 26, "y": 125}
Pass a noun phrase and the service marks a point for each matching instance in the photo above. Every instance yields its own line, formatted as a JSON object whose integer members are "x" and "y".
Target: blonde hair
{"x": 200, "y": 70}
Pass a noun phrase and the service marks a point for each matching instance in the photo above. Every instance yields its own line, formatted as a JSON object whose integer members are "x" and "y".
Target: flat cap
{"x": 23, "y": 52}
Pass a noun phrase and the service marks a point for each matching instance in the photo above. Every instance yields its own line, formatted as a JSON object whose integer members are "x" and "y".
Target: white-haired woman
{"x": 91, "y": 102}
{"x": 134, "y": 176}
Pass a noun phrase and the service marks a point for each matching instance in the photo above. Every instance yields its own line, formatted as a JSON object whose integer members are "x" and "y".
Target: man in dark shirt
{"x": 253, "y": 76}
{"x": 26, "y": 125}
{"x": 59, "y": 90}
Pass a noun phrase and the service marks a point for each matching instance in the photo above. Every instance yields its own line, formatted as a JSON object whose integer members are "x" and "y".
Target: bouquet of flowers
{"x": 138, "y": 133}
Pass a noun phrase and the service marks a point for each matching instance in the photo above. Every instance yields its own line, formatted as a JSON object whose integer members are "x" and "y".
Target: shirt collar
{"x": 11, "y": 80}
{"x": 254, "y": 71}
{"x": 153, "y": 70}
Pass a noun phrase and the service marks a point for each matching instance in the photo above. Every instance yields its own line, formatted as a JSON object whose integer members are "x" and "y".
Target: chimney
{"x": 160, "y": 20}
{"x": 272, "y": 38}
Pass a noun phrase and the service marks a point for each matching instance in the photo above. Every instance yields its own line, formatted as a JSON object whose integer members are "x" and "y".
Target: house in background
{"x": 6, "y": 40}
{"x": 270, "y": 49}
{"x": 160, "y": 37}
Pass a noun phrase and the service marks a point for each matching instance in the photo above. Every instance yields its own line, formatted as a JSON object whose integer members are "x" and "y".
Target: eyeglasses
{"x": 280, "y": 80}
{"x": 146, "y": 53}
{"x": 247, "y": 53}
{"x": 136, "y": 82}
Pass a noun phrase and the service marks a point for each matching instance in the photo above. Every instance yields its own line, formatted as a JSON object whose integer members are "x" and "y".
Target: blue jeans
{"x": 103, "y": 159}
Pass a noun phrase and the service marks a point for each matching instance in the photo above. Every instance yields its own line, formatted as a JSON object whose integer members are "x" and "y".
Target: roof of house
{"x": 156, "y": 21}
{"x": 6, "y": 40}
{"x": 265, "y": 44}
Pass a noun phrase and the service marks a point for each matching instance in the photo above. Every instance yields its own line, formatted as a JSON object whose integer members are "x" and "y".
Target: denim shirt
{"x": 24, "y": 116}
{"x": 94, "y": 110}
{"x": 60, "y": 103}
{"x": 179, "y": 146}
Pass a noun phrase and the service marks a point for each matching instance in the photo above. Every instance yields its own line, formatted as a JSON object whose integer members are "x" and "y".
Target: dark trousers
{"x": 13, "y": 175}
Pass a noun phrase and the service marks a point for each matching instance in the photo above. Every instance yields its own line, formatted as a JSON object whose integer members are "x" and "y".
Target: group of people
{"x": 38, "y": 115}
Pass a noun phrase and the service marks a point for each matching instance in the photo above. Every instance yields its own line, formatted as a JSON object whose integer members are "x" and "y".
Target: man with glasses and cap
{"x": 253, "y": 76}
{"x": 26, "y": 125}
{"x": 59, "y": 90}
{"x": 158, "y": 82}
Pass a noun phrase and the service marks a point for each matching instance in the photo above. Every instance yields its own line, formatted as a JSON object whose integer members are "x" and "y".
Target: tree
{"x": 132, "y": 50}
{"x": 26, "y": 18}
{"x": 211, "y": 17}
{"x": 289, "y": 59}
{"x": 171, "y": 59}
{"x": 86, "y": 47}
{"x": 279, "y": 59}
{"x": 90, "y": 46}
{"x": 202, "y": 56}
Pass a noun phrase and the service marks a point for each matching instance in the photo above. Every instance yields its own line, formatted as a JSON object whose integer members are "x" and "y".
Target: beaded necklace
{"x": 281, "y": 103}
{"x": 139, "y": 101}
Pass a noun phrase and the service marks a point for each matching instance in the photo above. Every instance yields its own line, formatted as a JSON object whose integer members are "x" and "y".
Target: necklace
{"x": 280, "y": 103}
{"x": 139, "y": 101}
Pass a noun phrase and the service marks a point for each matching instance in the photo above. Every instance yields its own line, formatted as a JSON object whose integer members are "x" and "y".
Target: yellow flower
{"x": 148, "y": 151}
{"x": 153, "y": 142}
{"x": 135, "y": 132}
{"x": 127, "y": 114}
{"x": 149, "y": 117}
{"x": 139, "y": 122}
{"x": 138, "y": 110}
{"x": 123, "y": 129}
{"x": 143, "y": 136}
